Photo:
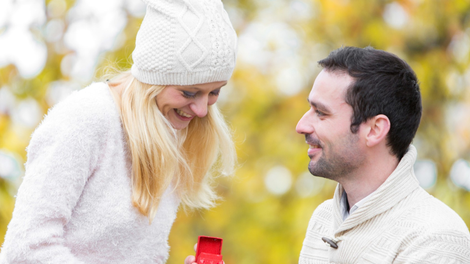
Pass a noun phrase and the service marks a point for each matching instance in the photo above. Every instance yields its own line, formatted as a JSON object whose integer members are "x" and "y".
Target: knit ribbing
{"x": 182, "y": 78}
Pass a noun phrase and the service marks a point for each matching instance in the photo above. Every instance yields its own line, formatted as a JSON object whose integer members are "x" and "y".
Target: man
{"x": 365, "y": 108}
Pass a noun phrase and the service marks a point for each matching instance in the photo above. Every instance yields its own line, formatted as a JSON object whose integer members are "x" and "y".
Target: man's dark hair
{"x": 384, "y": 84}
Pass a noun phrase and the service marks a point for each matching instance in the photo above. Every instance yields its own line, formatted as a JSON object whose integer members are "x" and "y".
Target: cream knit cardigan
{"x": 74, "y": 205}
{"x": 399, "y": 223}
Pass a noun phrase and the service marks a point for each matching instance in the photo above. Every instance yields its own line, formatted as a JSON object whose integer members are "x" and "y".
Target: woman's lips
{"x": 183, "y": 115}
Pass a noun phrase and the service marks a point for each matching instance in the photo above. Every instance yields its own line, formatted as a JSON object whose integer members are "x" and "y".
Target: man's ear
{"x": 377, "y": 129}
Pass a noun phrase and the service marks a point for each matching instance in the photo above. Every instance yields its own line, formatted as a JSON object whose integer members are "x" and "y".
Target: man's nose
{"x": 305, "y": 125}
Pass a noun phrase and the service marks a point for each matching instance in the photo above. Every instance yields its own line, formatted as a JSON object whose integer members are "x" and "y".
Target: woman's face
{"x": 180, "y": 104}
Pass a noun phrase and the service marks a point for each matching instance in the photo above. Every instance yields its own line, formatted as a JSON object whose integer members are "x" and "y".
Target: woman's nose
{"x": 199, "y": 106}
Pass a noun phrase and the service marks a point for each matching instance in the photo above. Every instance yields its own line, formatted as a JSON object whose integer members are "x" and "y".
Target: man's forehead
{"x": 334, "y": 84}
{"x": 329, "y": 89}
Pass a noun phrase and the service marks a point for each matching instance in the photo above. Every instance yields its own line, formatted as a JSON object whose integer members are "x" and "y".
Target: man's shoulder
{"x": 434, "y": 231}
{"x": 432, "y": 215}
{"x": 324, "y": 209}
{"x": 322, "y": 214}
{"x": 444, "y": 214}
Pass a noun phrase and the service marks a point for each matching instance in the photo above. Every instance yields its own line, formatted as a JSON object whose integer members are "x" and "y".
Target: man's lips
{"x": 314, "y": 145}
{"x": 312, "y": 141}
{"x": 312, "y": 150}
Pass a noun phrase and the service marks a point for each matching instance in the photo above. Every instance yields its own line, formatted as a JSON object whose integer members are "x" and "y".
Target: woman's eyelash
{"x": 188, "y": 94}
{"x": 193, "y": 95}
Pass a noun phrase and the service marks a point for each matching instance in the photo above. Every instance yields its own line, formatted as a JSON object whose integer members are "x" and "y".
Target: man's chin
{"x": 316, "y": 169}
{"x": 312, "y": 169}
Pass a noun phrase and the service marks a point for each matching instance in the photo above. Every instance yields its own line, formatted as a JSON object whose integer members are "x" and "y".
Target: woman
{"x": 109, "y": 166}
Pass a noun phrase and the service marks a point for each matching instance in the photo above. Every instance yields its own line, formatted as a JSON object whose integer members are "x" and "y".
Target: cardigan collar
{"x": 396, "y": 187}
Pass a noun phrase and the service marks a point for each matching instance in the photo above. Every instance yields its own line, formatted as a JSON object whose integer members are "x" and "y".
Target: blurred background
{"x": 51, "y": 48}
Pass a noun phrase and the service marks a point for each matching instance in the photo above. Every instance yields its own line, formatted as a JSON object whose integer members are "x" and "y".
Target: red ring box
{"x": 209, "y": 250}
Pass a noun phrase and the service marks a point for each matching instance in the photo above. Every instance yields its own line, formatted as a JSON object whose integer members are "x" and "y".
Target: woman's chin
{"x": 178, "y": 125}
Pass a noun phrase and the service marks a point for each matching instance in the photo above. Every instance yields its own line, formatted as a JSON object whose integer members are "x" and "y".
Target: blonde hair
{"x": 163, "y": 157}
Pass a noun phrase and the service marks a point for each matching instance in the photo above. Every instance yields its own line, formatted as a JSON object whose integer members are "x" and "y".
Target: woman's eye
{"x": 189, "y": 94}
{"x": 215, "y": 92}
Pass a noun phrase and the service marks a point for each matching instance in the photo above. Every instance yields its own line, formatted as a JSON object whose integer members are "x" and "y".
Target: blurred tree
{"x": 261, "y": 221}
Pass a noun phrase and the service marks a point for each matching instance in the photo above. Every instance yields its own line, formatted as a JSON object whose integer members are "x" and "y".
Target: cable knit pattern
{"x": 192, "y": 52}
{"x": 399, "y": 223}
{"x": 219, "y": 23}
{"x": 159, "y": 35}
{"x": 184, "y": 42}
{"x": 74, "y": 205}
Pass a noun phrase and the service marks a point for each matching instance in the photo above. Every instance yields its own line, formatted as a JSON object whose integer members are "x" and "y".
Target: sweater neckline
{"x": 396, "y": 187}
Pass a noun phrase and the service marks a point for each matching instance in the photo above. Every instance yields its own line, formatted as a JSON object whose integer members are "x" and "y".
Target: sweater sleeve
{"x": 440, "y": 247}
{"x": 63, "y": 152}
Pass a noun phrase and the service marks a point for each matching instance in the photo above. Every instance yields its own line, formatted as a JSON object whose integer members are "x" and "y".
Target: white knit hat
{"x": 184, "y": 42}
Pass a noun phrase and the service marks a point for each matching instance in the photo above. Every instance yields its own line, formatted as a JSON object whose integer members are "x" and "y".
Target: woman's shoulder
{"x": 93, "y": 99}
{"x": 89, "y": 109}
{"x": 92, "y": 104}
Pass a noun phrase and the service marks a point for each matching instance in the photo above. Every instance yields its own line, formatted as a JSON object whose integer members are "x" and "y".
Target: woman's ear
{"x": 377, "y": 130}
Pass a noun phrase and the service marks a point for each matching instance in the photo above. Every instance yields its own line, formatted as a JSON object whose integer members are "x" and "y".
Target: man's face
{"x": 334, "y": 150}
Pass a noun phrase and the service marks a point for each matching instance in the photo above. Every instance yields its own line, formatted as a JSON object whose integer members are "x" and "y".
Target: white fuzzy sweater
{"x": 74, "y": 205}
{"x": 399, "y": 223}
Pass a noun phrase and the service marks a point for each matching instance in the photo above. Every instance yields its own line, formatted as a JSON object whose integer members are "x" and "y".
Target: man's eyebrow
{"x": 319, "y": 106}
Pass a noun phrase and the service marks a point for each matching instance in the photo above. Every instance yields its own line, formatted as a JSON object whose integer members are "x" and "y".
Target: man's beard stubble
{"x": 336, "y": 163}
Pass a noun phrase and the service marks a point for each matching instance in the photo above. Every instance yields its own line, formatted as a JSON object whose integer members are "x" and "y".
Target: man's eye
{"x": 189, "y": 94}
{"x": 319, "y": 113}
